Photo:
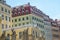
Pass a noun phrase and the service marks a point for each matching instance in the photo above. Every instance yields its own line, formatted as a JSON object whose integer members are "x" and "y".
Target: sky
{"x": 49, "y": 7}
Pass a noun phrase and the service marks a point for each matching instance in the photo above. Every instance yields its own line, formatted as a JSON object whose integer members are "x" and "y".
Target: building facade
{"x": 28, "y": 16}
{"x": 58, "y": 22}
{"x": 26, "y": 22}
{"x": 48, "y": 28}
{"x": 5, "y": 12}
{"x": 55, "y": 30}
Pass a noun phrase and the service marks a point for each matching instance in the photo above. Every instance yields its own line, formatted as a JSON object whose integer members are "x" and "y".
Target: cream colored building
{"x": 5, "y": 12}
{"x": 26, "y": 16}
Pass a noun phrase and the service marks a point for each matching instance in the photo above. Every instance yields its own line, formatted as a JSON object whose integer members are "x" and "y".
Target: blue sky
{"x": 49, "y": 7}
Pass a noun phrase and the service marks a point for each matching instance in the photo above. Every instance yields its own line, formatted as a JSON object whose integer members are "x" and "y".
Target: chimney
{"x": 55, "y": 20}
{"x": 28, "y": 3}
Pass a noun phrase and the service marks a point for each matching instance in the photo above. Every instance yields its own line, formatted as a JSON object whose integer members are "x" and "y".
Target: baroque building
{"x": 24, "y": 22}
{"x": 55, "y": 30}
{"x": 28, "y": 16}
{"x": 5, "y": 13}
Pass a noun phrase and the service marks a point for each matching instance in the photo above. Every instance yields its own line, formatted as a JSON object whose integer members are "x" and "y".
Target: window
{"x": 23, "y": 23}
{"x": 27, "y": 22}
{"x": 12, "y": 20}
{"x": 19, "y": 24}
{"x": 55, "y": 35}
{"x": 2, "y": 17}
{"x": 37, "y": 24}
{"x": 12, "y": 25}
{"x": 55, "y": 30}
{"x": 9, "y": 26}
{"x": 6, "y": 26}
{"x": 42, "y": 21}
{"x": 27, "y": 12}
{"x": 2, "y": 9}
{"x": 5, "y": 10}
{"x": 32, "y": 17}
{"x": 19, "y": 19}
{"x": 27, "y": 18}
{"x": 6, "y": 18}
{"x": 20, "y": 34}
{"x": 36, "y": 34}
{"x": 43, "y": 32}
{"x": 15, "y": 20}
{"x": 22, "y": 18}
{"x": 9, "y": 18}
{"x": 8, "y": 11}
{"x": 42, "y": 26}
{"x": 35, "y": 18}
{"x": 2, "y": 26}
{"x": 23, "y": 11}
{"x": 15, "y": 25}
{"x": 33, "y": 32}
